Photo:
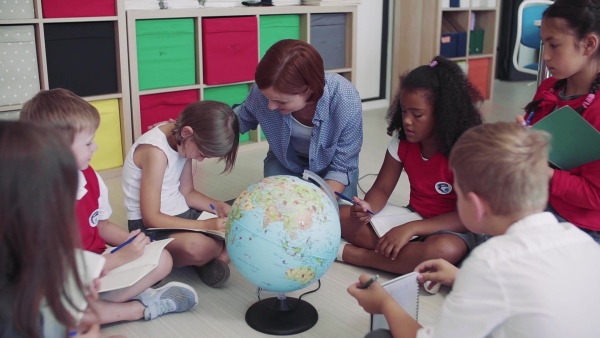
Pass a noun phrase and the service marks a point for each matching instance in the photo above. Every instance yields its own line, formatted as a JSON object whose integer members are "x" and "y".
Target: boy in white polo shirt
{"x": 534, "y": 278}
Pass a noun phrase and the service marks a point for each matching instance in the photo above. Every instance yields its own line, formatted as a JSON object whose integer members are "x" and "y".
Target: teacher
{"x": 312, "y": 120}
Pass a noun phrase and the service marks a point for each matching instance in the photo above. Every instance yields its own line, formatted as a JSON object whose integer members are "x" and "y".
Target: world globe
{"x": 283, "y": 233}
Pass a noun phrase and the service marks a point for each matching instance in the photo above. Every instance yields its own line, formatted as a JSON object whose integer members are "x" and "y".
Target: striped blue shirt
{"x": 336, "y": 137}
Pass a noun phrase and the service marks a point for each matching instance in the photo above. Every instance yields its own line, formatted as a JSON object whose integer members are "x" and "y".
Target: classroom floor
{"x": 220, "y": 312}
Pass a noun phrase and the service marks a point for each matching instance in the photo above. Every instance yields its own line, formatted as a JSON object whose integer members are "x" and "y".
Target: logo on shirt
{"x": 94, "y": 219}
{"x": 443, "y": 188}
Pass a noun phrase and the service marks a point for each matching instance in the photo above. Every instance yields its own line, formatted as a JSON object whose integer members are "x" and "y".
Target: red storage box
{"x": 78, "y": 8}
{"x": 479, "y": 75}
{"x": 230, "y": 49}
{"x": 157, "y": 108}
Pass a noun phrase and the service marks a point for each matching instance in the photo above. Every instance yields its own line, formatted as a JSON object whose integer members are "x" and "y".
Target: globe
{"x": 283, "y": 233}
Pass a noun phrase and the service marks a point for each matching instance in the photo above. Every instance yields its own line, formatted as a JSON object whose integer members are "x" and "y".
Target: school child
{"x": 78, "y": 121}
{"x": 435, "y": 104}
{"x": 159, "y": 185}
{"x": 532, "y": 278}
{"x": 38, "y": 233}
{"x": 570, "y": 31}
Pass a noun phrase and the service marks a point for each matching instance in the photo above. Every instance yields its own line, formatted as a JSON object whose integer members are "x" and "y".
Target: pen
{"x": 529, "y": 118}
{"x": 369, "y": 282}
{"x": 214, "y": 209}
{"x": 351, "y": 201}
{"x": 122, "y": 245}
{"x": 152, "y": 237}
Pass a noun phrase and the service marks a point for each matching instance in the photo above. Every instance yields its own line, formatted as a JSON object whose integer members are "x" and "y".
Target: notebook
{"x": 405, "y": 290}
{"x": 89, "y": 267}
{"x": 128, "y": 274}
{"x": 392, "y": 216}
{"x": 203, "y": 216}
{"x": 574, "y": 140}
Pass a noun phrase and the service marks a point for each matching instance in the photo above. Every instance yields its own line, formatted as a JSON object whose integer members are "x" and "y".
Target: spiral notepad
{"x": 405, "y": 290}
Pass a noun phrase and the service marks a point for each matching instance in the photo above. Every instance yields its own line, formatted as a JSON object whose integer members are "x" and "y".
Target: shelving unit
{"x": 218, "y": 53}
{"x": 422, "y": 31}
{"x": 69, "y": 47}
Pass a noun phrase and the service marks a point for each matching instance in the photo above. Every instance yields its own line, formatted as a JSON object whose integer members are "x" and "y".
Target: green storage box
{"x": 277, "y": 27}
{"x": 234, "y": 94}
{"x": 166, "y": 53}
{"x": 476, "y": 41}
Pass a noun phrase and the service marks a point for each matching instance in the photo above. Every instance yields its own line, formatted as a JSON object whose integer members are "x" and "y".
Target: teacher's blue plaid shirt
{"x": 336, "y": 138}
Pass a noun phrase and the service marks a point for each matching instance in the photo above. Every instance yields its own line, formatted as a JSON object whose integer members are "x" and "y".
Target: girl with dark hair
{"x": 435, "y": 104}
{"x": 570, "y": 32}
{"x": 311, "y": 119}
{"x": 38, "y": 233}
{"x": 159, "y": 186}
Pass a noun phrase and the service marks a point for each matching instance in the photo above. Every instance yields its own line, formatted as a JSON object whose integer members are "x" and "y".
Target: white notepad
{"x": 392, "y": 216}
{"x": 128, "y": 274}
{"x": 89, "y": 267}
{"x": 405, "y": 290}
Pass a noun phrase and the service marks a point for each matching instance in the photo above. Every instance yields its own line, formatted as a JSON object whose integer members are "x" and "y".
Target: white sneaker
{"x": 173, "y": 297}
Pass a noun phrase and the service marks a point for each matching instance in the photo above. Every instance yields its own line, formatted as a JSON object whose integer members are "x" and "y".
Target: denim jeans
{"x": 273, "y": 167}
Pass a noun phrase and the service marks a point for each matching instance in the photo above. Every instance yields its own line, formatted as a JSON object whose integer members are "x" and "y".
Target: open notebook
{"x": 203, "y": 216}
{"x": 405, "y": 290}
{"x": 89, "y": 267}
{"x": 392, "y": 216}
{"x": 128, "y": 274}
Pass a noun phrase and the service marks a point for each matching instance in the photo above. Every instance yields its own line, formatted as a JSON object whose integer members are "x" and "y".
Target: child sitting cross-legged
{"x": 535, "y": 277}
{"x": 78, "y": 121}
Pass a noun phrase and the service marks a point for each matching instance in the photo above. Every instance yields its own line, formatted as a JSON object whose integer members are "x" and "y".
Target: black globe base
{"x": 281, "y": 317}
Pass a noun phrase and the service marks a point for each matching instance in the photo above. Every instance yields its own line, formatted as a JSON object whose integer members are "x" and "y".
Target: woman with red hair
{"x": 311, "y": 119}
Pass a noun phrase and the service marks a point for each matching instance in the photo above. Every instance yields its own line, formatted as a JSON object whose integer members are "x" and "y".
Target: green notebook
{"x": 575, "y": 141}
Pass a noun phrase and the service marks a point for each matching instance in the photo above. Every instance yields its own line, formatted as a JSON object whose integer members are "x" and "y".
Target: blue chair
{"x": 528, "y": 34}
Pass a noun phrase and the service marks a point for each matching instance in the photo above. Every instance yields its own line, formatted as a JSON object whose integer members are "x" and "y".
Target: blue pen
{"x": 351, "y": 201}
{"x": 122, "y": 245}
{"x": 214, "y": 209}
{"x": 529, "y": 118}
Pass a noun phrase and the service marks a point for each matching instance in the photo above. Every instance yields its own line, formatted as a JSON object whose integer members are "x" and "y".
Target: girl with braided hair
{"x": 570, "y": 31}
{"x": 435, "y": 104}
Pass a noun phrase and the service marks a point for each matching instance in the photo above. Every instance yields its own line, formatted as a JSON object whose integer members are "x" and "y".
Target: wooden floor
{"x": 220, "y": 312}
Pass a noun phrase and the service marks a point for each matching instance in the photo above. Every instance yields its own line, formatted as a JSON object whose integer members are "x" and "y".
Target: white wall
{"x": 368, "y": 48}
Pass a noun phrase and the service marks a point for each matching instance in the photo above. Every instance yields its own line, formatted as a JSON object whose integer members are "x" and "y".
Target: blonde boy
{"x": 78, "y": 120}
{"x": 535, "y": 278}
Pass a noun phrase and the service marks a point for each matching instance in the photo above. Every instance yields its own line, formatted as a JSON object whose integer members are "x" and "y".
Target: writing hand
{"x": 360, "y": 211}
{"x": 371, "y": 299}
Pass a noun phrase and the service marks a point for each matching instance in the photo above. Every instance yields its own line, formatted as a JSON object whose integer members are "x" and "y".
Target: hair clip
{"x": 588, "y": 100}
{"x": 433, "y": 63}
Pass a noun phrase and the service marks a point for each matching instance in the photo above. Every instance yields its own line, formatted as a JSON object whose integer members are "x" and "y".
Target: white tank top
{"x": 172, "y": 201}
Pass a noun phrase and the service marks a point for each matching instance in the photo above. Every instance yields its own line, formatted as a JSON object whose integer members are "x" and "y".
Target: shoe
{"x": 214, "y": 273}
{"x": 173, "y": 297}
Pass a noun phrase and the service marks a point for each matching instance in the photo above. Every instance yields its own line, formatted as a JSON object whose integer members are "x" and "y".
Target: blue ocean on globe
{"x": 283, "y": 233}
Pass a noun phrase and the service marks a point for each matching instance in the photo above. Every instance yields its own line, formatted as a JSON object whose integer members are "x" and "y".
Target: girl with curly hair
{"x": 435, "y": 104}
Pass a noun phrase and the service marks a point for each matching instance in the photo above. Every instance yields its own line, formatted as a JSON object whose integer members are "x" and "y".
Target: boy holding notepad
{"x": 533, "y": 278}
{"x": 78, "y": 121}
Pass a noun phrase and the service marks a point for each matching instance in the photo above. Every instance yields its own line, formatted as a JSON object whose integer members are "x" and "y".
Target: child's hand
{"x": 437, "y": 271}
{"x": 214, "y": 224}
{"x": 390, "y": 244}
{"x": 373, "y": 298}
{"x": 135, "y": 249}
{"x": 222, "y": 209}
{"x": 359, "y": 213}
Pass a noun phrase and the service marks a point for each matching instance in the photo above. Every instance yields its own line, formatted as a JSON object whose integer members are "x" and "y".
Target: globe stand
{"x": 281, "y": 315}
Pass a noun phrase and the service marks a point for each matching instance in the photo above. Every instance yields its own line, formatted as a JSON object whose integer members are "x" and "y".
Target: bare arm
{"x": 111, "y": 233}
{"x": 153, "y": 163}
